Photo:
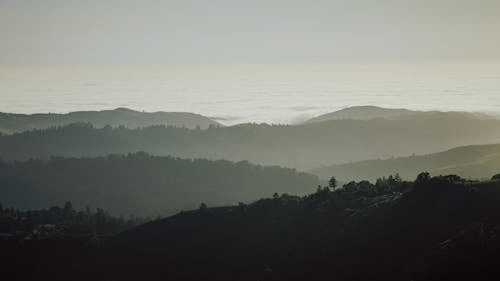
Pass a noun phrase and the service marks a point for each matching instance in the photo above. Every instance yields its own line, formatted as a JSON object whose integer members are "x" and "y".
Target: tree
{"x": 422, "y": 178}
{"x": 381, "y": 185}
{"x": 332, "y": 183}
{"x": 68, "y": 207}
{"x": 397, "y": 178}
{"x": 203, "y": 206}
{"x": 393, "y": 180}
{"x": 276, "y": 195}
{"x": 454, "y": 179}
{"x": 351, "y": 186}
{"x": 496, "y": 177}
{"x": 88, "y": 211}
{"x": 365, "y": 185}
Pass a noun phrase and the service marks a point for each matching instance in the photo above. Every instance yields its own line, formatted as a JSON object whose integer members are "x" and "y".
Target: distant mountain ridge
{"x": 372, "y": 112}
{"x": 304, "y": 146}
{"x": 473, "y": 161}
{"x": 11, "y": 122}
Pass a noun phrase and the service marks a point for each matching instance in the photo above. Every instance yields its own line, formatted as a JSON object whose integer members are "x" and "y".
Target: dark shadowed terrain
{"x": 441, "y": 228}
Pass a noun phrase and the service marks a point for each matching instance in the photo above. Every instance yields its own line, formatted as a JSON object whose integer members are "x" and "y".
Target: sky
{"x": 68, "y": 32}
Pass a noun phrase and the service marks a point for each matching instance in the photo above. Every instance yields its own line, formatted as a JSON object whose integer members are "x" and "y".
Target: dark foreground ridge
{"x": 440, "y": 228}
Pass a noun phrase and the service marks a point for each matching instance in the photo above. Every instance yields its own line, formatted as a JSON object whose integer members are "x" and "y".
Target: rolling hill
{"x": 305, "y": 146}
{"x": 141, "y": 184}
{"x": 476, "y": 161}
{"x": 372, "y": 112}
{"x": 10, "y": 122}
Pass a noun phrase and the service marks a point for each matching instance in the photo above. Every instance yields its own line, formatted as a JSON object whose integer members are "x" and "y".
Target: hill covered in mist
{"x": 305, "y": 146}
{"x": 372, "y": 112}
{"x": 141, "y": 184}
{"x": 477, "y": 162}
{"x": 10, "y": 122}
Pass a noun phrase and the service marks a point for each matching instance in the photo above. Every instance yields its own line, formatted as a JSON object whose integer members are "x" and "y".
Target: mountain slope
{"x": 439, "y": 229}
{"x": 477, "y": 162}
{"x": 141, "y": 184}
{"x": 300, "y": 146}
{"x": 10, "y": 122}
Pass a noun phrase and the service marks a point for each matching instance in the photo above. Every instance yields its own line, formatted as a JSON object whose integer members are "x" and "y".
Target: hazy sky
{"x": 227, "y": 31}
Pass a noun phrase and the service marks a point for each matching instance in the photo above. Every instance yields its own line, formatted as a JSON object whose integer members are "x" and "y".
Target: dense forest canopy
{"x": 305, "y": 146}
{"x": 435, "y": 228}
{"x": 142, "y": 184}
{"x": 59, "y": 222}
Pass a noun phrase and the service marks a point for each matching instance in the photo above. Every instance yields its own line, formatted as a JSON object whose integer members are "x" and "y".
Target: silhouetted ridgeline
{"x": 474, "y": 161}
{"x": 10, "y": 122}
{"x": 441, "y": 228}
{"x": 142, "y": 184}
{"x": 300, "y": 146}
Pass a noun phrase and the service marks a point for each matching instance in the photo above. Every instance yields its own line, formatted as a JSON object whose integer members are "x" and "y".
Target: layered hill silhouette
{"x": 476, "y": 162}
{"x": 440, "y": 228}
{"x": 372, "y": 112}
{"x": 141, "y": 184}
{"x": 305, "y": 146}
{"x": 10, "y": 122}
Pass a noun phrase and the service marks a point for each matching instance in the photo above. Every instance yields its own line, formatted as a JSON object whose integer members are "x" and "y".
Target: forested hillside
{"x": 436, "y": 228}
{"x": 61, "y": 222}
{"x": 301, "y": 146}
{"x": 141, "y": 184}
